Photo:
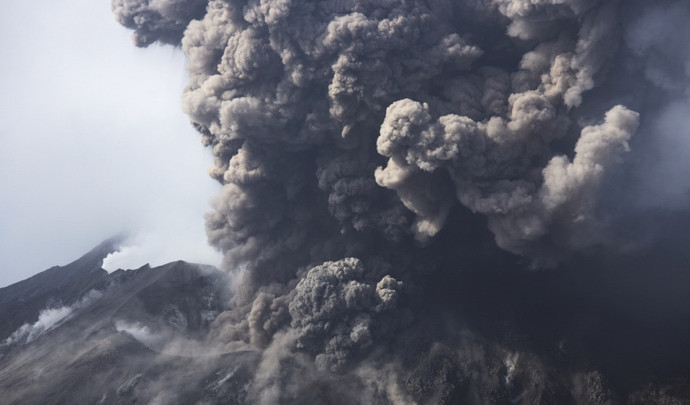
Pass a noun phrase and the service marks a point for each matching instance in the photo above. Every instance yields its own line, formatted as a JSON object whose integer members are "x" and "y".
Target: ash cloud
{"x": 334, "y": 311}
{"x": 157, "y": 20}
{"x": 364, "y": 147}
{"x": 663, "y": 59}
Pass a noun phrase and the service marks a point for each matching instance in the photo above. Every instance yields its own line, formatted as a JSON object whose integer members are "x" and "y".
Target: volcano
{"x": 78, "y": 334}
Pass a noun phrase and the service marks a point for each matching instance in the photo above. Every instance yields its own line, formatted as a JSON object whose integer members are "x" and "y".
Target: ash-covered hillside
{"x": 76, "y": 334}
{"x": 148, "y": 336}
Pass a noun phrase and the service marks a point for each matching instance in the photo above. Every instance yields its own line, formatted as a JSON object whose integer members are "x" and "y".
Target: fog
{"x": 75, "y": 146}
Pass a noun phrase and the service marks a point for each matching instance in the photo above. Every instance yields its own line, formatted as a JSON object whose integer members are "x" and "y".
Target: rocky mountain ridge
{"x": 82, "y": 335}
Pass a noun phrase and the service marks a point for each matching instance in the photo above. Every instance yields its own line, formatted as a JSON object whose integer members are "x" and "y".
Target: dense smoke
{"x": 364, "y": 146}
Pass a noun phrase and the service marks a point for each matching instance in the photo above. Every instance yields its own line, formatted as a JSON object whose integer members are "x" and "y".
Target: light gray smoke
{"x": 347, "y": 133}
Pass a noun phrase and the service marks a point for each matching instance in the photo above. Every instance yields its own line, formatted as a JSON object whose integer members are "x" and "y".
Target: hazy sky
{"x": 93, "y": 142}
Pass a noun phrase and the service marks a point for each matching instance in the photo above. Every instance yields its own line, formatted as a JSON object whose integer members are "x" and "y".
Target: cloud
{"x": 366, "y": 149}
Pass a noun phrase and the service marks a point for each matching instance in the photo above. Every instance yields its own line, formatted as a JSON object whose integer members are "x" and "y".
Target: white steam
{"x": 47, "y": 319}
{"x": 166, "y": 243}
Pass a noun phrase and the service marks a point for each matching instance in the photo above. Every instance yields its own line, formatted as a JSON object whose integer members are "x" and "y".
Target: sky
{"x": 93, "y": 143}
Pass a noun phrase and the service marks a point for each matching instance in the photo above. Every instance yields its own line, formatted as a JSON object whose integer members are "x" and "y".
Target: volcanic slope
{"x": 76, "y": 334}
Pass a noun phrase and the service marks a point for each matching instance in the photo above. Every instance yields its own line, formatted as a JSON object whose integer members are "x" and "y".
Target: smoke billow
{"x": 163, "y": 21}
{"x": 365, "y": 146}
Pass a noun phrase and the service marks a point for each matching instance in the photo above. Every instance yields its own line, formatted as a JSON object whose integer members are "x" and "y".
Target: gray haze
{"x": 81, "y": 112}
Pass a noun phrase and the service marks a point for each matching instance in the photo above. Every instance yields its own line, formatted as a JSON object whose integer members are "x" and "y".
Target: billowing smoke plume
{"x": 334, "y": 311}
{"x": 363, "y": 145}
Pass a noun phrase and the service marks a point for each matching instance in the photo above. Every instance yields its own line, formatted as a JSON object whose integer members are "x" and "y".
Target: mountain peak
{"x": 57, "y": 285}
{"x": 103, "y": 249}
